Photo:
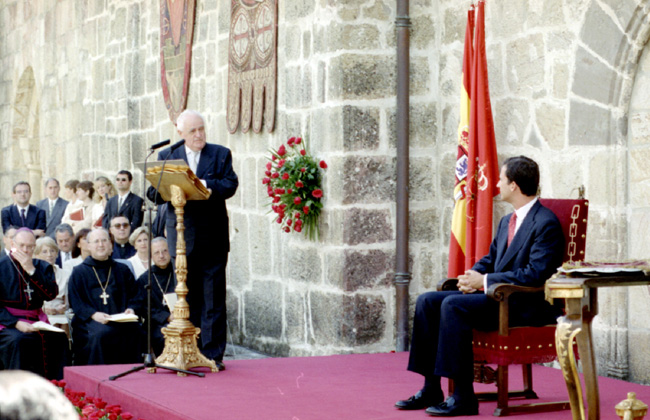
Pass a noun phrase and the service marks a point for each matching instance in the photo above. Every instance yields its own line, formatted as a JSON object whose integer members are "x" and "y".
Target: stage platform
{"x": 354, "y": 387}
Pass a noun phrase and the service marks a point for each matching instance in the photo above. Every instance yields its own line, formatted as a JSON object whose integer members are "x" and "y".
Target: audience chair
{"x": 524, "y": 345}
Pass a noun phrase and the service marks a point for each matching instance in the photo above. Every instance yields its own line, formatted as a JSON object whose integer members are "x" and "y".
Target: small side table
{"x": 581, "y": 297}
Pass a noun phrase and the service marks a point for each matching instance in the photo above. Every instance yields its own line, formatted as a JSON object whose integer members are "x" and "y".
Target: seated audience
{"x": 105, "y": 190}
{"x": 99, "y": 288}
{"x": 53, "y": 206}
{"x": 23, "y": 214}
{"x": 8, "y": 238}
{"x": 69, "y": 190}
{"x": 120, "y": 231}
{"x": 64, "y": 237}
{"x": 140, "y": 241}
{"x": 80, "y": 250}
{"x": 47, "y": 251}
{"x": 25, "y": 284}
{"x": 163, "y": 281}
{"x": 85, "y": 212}
{"x": 125, "y": 203}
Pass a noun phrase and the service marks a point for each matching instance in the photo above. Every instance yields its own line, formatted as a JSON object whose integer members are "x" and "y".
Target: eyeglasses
{"x": 121, "y": 225}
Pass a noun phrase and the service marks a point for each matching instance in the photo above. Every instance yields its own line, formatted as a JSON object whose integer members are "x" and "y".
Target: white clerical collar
{"x": 522, "y": 212}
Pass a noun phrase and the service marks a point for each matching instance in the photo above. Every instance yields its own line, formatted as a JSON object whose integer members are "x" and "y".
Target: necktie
{"x": 51, "y": 206}
{"x": 22, "y": 216}
{"x": 120, "y": 202}
{"x": 511, "y": 227}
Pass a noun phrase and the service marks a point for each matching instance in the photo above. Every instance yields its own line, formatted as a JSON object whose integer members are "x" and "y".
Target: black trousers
{"x": 40, "y": 352}
{"x": 206, "y": 281}
{"x": 442, "y": 332}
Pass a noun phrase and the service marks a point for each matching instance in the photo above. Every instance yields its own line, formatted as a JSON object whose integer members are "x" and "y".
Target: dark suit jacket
{"x": 131, "y": 209}
{"x": 52, "y": 220}
{"x": 11, "y": 217}
{"x": 533, "y": 256}
{"x": 206, "y": 221}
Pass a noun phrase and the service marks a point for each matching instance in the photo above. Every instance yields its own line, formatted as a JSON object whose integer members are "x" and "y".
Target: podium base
{"x": 181, "y": 351}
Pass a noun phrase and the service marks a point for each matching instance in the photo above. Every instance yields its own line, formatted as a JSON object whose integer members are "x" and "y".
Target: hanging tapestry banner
{"x": 252, "y": 65}
{"x": 176, "y": 30}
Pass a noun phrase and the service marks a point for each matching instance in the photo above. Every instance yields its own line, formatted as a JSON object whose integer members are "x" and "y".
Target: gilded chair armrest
{"x": 445, "y": 285}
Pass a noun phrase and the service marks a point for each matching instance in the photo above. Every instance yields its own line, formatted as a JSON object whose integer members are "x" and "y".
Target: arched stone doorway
{"x": 607, "y": 112}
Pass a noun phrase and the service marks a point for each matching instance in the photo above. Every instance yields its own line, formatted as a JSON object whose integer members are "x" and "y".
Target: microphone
{"x": 160, "y": 144}
{"x": 176, "y": 146}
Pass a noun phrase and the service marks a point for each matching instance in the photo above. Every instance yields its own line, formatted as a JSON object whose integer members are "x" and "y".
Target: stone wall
{"x": 567, "y": 86}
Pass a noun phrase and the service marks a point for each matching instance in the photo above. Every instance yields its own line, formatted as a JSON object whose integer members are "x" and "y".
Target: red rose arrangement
{"x": 293, "y": 183}
{"x": 92, "y": 408}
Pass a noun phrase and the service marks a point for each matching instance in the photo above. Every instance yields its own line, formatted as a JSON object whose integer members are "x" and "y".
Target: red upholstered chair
{"x": 524, "y": 345}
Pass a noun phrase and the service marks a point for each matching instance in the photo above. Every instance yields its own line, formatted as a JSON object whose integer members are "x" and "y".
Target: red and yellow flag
{"x": 477, "y": 167}
{"x": 458, "y": 225}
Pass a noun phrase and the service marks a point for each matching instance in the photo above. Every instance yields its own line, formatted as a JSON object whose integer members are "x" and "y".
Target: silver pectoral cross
{"x": 104, "y": 296}
{"x": 29, "y": 291}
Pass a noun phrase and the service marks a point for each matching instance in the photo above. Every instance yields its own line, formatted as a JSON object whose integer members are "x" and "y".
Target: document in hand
{"x": 123, "y": 317}
{"x": 44, "y": 326}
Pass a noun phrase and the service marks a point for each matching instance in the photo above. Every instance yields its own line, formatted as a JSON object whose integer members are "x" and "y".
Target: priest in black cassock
{"x": 163, "y": 281}
{"x": 100, "y": 287}
{"x": 26, "y": 283}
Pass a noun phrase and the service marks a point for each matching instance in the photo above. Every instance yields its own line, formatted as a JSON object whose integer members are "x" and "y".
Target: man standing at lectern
{"x": 206, "y": 231}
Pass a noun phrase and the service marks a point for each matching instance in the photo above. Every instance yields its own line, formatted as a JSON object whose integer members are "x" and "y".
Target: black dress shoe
{"x": 419, "y": 401}
{"x": 452, "y": 408}
{"x": 220, "y": 365}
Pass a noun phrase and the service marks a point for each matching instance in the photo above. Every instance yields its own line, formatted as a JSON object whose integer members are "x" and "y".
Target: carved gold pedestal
{"x": 181, "y": 351}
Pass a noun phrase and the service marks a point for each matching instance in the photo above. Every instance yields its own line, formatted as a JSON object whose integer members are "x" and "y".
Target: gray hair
{"x": 180, "y": 121}
{"x": 47, "y": 181}
{"x": 63, "y": 228}
{"x": 45, "y": 241}
{"x": 159, "y": 239}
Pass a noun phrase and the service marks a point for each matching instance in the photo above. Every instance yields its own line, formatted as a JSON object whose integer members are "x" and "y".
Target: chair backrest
{"x": 573, "y": 215}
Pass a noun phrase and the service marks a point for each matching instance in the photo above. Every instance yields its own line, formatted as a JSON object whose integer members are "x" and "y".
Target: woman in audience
{"x": 104, "y": 190}
{"x": 79, "y": 251}
{"x": 69, "y": 189}
{"x": 47, "y": 250}
{"x": 85, "y": 213}
{"x": 140, "y": 241}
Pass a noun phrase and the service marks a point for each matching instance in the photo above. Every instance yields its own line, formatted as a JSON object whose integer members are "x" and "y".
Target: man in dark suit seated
{"x": 125, "y": 203}
{"x": 526, "y": 251}
{"x": 23, "y": 214}
{"x": 206, "y": 231}
{"x": 53, "y": 206}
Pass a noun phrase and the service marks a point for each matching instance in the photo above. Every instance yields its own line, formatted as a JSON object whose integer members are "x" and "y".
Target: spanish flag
{"x": 477, "y": 167}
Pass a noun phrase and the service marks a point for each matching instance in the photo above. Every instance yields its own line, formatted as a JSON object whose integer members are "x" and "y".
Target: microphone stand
{"x": 149, "y": 357}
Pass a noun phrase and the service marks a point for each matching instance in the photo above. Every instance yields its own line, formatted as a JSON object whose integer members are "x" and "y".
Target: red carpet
{"x": 356, "y": 386}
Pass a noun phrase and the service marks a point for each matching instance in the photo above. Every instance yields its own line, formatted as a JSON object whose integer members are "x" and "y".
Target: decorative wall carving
{"x": 176, "y": 30}
{"x": 252, "y": 65}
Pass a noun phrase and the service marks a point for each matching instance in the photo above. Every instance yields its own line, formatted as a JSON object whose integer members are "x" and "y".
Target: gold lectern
{"x": 177, "y": 185}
